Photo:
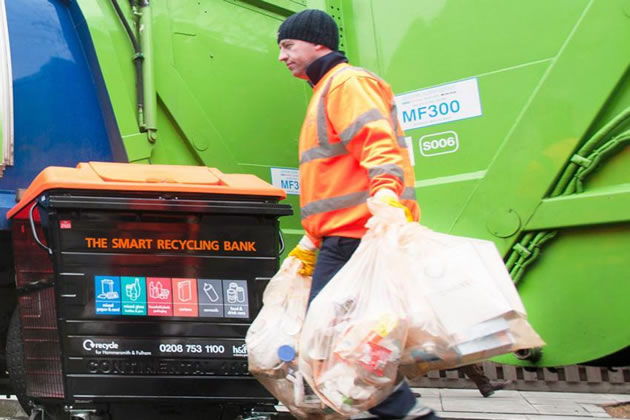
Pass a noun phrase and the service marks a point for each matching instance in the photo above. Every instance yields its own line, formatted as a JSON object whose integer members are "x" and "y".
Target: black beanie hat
{"x": 311, "y": 25}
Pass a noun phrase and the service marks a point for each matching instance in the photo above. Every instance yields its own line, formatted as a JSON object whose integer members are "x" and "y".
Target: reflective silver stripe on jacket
{"x": 346, "y": 201}
{"x": 409, "y": 193}
{"x": 334, "y": 203}
{"x": 321, "y": 152}
{"x": 362, "y": 120}
{"x": 393, "y": 112}
{"x": 387, "y": 169}
{"x": 394, "y": 115}
{"x": 325, "y": 149}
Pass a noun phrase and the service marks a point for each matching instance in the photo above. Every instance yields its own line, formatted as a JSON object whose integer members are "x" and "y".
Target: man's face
{"x": 297, "y": 55}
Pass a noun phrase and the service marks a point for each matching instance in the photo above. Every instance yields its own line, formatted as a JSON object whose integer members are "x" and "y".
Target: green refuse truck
{"x": 516, "y": 115}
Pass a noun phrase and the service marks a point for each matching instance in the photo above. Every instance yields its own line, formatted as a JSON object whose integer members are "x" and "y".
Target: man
{"x": 351, "y": 147}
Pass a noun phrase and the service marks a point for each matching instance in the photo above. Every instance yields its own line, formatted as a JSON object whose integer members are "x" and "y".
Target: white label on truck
{"x": 439, "y": 104}
{"x": 287, "y": 179}
{"x": 439, "y": 143}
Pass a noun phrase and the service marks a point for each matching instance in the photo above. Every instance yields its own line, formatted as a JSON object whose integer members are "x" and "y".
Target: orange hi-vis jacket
{"x": 351, "y": 145}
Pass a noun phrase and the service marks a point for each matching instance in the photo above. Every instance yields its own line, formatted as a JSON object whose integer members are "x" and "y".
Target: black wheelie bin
{"x": 137, "y": 285}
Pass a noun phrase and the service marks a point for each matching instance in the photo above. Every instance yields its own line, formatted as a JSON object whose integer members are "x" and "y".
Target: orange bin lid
{"x": 108, "y": 176}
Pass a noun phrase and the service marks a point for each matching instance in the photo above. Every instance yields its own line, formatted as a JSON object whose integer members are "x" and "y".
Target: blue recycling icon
{"x": 107, "y": 299}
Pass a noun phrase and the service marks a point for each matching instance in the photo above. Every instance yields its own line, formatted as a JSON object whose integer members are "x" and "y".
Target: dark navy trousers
{"x": 333, "y": 254}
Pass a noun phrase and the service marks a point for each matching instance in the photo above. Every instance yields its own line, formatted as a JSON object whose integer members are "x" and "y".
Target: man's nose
{"x": 282, "y": 56}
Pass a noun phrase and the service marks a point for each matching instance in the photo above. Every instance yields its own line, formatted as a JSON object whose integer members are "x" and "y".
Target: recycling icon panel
{"x": 171, "y": 297}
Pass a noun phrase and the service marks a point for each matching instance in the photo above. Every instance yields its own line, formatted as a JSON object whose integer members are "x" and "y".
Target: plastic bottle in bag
{"x": 303, "y": 394}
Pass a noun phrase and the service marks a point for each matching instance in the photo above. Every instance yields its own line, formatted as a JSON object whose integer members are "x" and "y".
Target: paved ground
{"x": 464, "y": 404}
{"x": 518, "y": 405}
{"x": 10, "y": 409}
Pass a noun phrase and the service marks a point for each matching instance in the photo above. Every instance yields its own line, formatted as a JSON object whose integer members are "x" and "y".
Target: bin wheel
{"x": 4, "y": 328}
{"x": 15, "y": 361}
{"x": 48, "y": 412}
{"x": 17, "y": 372}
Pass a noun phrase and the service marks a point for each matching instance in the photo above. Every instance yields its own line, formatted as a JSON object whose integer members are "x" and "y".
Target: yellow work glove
{"x": 390, "y": 200}
{"x": 307, "y": 257}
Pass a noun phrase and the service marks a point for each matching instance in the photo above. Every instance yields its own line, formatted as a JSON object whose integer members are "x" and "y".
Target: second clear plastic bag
{"x": 356, "y": 328}
{"x": 463, "y": 305}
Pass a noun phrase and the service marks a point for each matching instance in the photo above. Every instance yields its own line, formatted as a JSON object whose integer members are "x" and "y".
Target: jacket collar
{"x": 318, "y": 68}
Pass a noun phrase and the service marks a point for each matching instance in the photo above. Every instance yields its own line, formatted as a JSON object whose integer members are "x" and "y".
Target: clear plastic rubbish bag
{"x": 463, "y": 305}
{"x": 273, "y": 338}
{"x": 280, "y": 320}
{"x": 356, "y": 328}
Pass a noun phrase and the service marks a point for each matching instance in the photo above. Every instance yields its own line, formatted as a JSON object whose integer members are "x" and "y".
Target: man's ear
{"x": 322, "y": 48}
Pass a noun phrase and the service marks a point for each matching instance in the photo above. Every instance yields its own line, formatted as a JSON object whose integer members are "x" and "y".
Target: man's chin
{"x": 299, "y": 75}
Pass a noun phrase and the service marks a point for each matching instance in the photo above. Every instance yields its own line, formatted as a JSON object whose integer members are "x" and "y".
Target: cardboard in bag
{"x": 473, "y": 311}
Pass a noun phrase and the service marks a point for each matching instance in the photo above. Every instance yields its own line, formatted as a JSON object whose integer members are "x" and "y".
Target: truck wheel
{"x": 15, "y": 360}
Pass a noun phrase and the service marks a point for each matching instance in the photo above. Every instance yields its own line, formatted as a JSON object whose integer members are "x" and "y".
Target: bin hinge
{"x": 34, "y": 286}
